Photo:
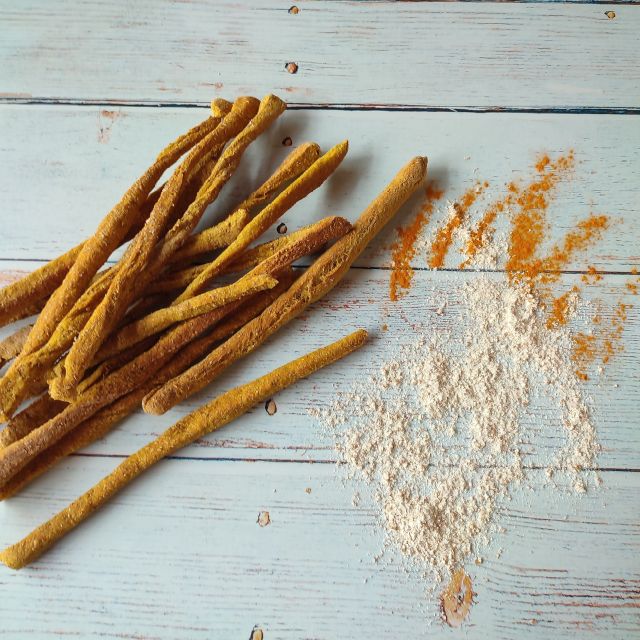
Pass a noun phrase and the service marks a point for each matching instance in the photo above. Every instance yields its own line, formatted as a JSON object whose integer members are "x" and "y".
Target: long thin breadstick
{"x": 318, "y": 280}
{"x": 211, "y": 417}
{"x": 296, "y": 163}
{"x": 111, "y": 230}
{"x": 144, "y": 366}
{"x": 310, "y": 180}
{"x": 136, "y": 260}
{"x": 11, "y": 346}
{"x": 38, "y": 412}
{"x": 216, "y": 237}
{"x": 163, "y": 318}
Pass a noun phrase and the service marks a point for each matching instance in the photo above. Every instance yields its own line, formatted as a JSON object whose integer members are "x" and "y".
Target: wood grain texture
{"x": 180, "y": 553}
{"x": 361, "y": 300}
{"x": 74, "y": 158}
{"x": 427, "y": 54}
{"x": 567, "y": 565}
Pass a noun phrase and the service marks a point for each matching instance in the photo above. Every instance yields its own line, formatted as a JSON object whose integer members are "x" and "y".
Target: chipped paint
{"x": 106, "y": 118}
{"x": 456, "y": 599}
{"x": 264, "y": 519}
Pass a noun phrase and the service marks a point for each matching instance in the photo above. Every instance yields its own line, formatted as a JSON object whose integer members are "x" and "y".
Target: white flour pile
{"x": 437, "y": 430}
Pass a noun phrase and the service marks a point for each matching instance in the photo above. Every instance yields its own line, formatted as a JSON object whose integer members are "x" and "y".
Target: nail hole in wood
{"x": 281, "y": 228}
{"x": 287, "y": 142}
{"x": 291, "y": 67}
{"x": 293, "y": 10}
{"x": 270, "y": 407}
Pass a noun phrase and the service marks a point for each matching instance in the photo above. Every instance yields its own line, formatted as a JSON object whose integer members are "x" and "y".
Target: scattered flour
{"x": 437, "y": 431}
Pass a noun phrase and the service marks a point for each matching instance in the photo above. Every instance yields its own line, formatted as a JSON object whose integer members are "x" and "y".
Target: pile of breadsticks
{"x": 158, "y": 325}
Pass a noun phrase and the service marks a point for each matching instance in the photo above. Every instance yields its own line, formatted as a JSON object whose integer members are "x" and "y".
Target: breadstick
{"x": 310, "y": 180}
{"x": 296, "y": 163}
{"x": 216, "y": 237}
{"x": 111, "y": 230}
{"x": 163, "y": 318}
{"x": 318, "y": 280}
{"x": 261, "y": 252}
{"x": 11, "y": 346}
{"x": 211, "y": 417}
{"x": 37, "y": 413}
{"x": 122, "y": 290}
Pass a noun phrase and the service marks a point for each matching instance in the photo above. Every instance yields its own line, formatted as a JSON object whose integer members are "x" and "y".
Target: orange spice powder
{"x": 591, "y": 276}
{"x": 444, "y": 238}
{"x": 403, "y": 250}
{"x": 601, "y": 345}
{"x": 560, "y": 309}
{"x": 587, "y": 231}
{"x": 528, "y": 224}
{"x": 479, "y": 236}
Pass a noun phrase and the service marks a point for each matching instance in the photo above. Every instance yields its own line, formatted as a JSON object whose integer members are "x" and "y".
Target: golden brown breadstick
{"x": 310, "y": 180}
{"x": 159, "y": 320}
{"x": 296, "y": 163}
{"x": 34, "y": 286}
{"x": 122, "y": 290}
{"x": 319, "y": 279}
{"x": 38, "y": 412}
{"x": 11, "y": 346}
{"x": 216, "y": 237}
{"x": 212, "y": 416}
{"x": 110, "y": 233}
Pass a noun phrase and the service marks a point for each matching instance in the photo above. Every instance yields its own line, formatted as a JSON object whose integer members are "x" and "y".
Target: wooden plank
{"x": 362, "y": 301}
{"x": 55, "y": 186}
{"x": 180, "y": 555}
{"x": 427, "y": 54}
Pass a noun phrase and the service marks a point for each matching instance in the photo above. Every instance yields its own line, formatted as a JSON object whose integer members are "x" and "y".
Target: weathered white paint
{"x": 180, "y": 554}
{"x": 428, "y": 54}
{"x": 76, "y": 172}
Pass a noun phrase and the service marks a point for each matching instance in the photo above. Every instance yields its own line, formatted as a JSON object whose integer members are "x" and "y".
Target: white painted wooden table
{"x": 91, "y": 90}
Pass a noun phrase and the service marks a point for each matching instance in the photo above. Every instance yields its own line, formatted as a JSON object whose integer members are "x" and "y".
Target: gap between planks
{"x": 327, "y": 106}
{"x": 120, "y": 456}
